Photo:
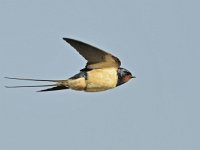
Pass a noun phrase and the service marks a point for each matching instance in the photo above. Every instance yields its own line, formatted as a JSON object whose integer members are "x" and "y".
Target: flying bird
{"x": 102, "y": 72}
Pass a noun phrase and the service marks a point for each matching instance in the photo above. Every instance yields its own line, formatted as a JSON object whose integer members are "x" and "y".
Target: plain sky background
{"x": 157, "y": 40}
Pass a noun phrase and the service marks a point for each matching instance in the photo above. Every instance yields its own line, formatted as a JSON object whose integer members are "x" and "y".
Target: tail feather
{"x": 54, "y": 89}
{"x": 57, "y": 86}
{"x": 24, "y": 86}
{"x": 31, "y": 79}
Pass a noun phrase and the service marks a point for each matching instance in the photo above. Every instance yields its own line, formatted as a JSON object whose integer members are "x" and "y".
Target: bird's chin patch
{"x": 127, "y": 78}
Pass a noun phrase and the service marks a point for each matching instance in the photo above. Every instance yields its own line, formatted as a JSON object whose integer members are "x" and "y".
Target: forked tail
{"x": 56, "y": 86}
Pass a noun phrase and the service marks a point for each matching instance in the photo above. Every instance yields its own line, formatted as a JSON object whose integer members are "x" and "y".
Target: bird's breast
{"x": 101, "y": 79}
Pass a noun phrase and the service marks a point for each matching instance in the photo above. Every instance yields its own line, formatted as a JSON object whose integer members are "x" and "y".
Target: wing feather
{"x": 96, "y": 57}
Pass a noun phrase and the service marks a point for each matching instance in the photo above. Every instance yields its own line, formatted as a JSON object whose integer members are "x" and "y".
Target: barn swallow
{"x": 102, "y": 72}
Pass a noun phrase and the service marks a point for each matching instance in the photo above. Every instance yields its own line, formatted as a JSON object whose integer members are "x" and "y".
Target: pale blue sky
{"x": 157, "y": 40}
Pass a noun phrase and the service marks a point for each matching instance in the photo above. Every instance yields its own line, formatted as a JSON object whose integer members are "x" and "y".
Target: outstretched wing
{"x": 96, "y": 57}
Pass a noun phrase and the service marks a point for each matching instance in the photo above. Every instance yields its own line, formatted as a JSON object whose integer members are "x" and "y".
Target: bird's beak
{"x": 133, "y": 76}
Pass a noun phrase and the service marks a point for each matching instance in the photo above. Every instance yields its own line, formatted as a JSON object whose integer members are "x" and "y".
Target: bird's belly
{"x": 101, "y": 79}
{"x": 77, "y": 84}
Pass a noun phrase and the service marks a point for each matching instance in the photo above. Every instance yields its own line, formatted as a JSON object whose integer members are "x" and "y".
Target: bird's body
{"x": 102, "y": 71}
{"x": 94, "y": 80}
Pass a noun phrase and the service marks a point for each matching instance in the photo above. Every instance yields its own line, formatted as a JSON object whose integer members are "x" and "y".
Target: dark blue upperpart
{"x": 82, "y": 74}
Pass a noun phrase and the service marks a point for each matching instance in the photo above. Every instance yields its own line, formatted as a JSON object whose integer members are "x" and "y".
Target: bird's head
{"x": 124, "y": 76}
